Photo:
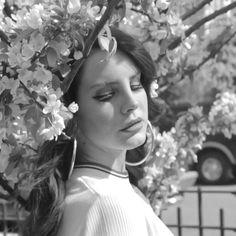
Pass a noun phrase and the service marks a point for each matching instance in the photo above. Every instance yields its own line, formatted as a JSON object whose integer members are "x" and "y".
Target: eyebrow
{"x": 113, "y": 82}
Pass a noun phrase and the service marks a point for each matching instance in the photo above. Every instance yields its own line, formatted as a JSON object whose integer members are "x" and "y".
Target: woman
{"x": 111, "y": 124}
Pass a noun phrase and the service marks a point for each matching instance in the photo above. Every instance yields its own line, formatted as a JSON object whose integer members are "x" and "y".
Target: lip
{"x": 133, "y": 125}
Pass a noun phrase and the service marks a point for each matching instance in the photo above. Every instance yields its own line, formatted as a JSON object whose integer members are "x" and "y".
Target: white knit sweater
{"x": 101, "y": 204}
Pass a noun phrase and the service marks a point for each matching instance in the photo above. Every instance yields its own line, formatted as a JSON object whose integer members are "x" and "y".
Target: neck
{"x": 112, "y": 159}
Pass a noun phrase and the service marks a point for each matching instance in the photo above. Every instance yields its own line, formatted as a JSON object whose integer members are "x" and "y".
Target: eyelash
{"x": 104, "y": 97}
{"x": 107, "y": 96}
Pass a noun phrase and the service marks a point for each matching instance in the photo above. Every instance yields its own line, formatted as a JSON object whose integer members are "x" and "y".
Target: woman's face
{"x": 112, "y": 102}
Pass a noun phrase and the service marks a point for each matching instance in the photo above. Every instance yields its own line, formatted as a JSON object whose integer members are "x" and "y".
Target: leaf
{"x": 80, "y": 41}
{"x": 6, "y": 97}
{"x": 145, "y": 4}
{"x": 58, "y": 10}
{"x": 119, "y": 12}
{"x": 4, "y": 37}
{"x": 52, "y": 57}
{"x": 64, "y": 69}
{"x": 33, "y": 119}
{"x": 104, "y": 43}
{"x": 78, "y": 55}
{"x": 112, "y": 46}
{"x": 33, "y": 113}
{"x": 11, "y": 140}
{"x": 8, "y": 110}
{"x": 43, "y": 60}
{"x": 56, "y": 83}
{"x": 3, "y": 46}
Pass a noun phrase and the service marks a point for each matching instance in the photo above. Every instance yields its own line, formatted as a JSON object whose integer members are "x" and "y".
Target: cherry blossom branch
{"x": 145, "y": 14}
{"x": 31, "y": 95}
{"x": 201, "y": 22}
{"x": 88, "y": 45}
{"x": 191, "y": 69}
{"x": 195, "y": 9}
{"x": 213, "y": 53}
{"x": 5, "y": 185}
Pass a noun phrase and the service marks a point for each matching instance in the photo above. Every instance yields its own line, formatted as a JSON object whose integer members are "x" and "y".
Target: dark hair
{"x": 46, "y": 200}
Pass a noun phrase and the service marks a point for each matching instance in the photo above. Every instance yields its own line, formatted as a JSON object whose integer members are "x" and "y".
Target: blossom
{"x": 222, "y": 114}
{"x": 153, "y": 89}
{"x": 73, "y": 6}
{"x": 53, "y": 105}
{"x": 42, "y": 75}
{"x": 78, "y": 55}
{"x": 27, "y": 51}
{"x": 25, "y": 75}
{"x": 9, "y": 83}
{"x": 73, "y": 107}
{"x": 34, "y": 17}
{"x": 162, "y": 4}
{"x": 94, "y": 12}
{"x": 56, "y": 128}
{"x": 37, "y": 41}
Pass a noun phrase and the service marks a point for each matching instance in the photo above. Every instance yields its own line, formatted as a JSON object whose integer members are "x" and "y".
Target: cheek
{"x": 96, "y": 119}
{"x": 143, "y": 103}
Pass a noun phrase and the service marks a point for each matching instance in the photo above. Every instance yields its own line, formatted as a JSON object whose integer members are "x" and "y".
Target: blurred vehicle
{"x": 217, "y": 160}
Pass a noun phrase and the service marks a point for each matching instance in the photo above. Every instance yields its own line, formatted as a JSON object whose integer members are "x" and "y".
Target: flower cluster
{"x": 191, "y": 130}
{"x": 173, "y": 151}
{"x": 39, "y": 42}
{"x": 160, "y": 24}
{"x": 222, "y": 116}
{"x": 161, "y": 176}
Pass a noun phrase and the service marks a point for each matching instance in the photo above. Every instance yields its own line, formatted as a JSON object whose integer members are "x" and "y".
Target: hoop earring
{"x": 149, "y": 151}
{"x": 73, "y": 158}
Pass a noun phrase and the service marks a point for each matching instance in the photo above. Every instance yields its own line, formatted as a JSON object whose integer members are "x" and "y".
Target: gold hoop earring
{"x": 73, "y": 158}
{"x": 149, "y": 151}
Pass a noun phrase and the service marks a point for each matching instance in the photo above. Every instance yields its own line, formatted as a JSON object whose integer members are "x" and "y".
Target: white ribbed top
{"x": 101, "y": 204}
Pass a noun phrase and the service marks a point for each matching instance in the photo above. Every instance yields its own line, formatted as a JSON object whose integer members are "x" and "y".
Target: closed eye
{"x": 136, "y": 86}
{"x": 104, "y": 97}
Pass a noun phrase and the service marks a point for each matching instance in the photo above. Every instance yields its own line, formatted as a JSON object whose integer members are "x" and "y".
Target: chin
{"x": 135, "y": 141}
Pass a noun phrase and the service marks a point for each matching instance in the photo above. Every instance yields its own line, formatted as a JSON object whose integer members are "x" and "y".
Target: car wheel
{"x": 213, "y": 167}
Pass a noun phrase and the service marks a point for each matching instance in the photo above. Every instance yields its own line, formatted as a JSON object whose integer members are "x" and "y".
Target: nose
{"x": 129, "y": 102}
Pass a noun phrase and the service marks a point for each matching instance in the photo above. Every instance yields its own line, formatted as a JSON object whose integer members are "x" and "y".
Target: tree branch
{"x": 201, "y": 22}
{"x": 213, "y": 53}
{"x": 31, "y": 95}
{"x": 11, "y": 191}
{"x": 88, "y": 45}
{"x": 6, "y": 197}
{"x": 145, "y": 14}
{"x": 195, "y": 9}
{"x": 191, "y": 69}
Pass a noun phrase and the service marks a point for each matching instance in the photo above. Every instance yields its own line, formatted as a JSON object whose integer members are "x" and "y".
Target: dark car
{"x": 217, "y": 160}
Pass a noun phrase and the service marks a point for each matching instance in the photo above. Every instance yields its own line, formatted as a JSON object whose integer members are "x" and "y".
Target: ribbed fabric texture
{"x": 98, "y": 204}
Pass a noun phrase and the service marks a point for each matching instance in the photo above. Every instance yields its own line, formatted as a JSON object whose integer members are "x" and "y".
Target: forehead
{"x": 99, "y": 69}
